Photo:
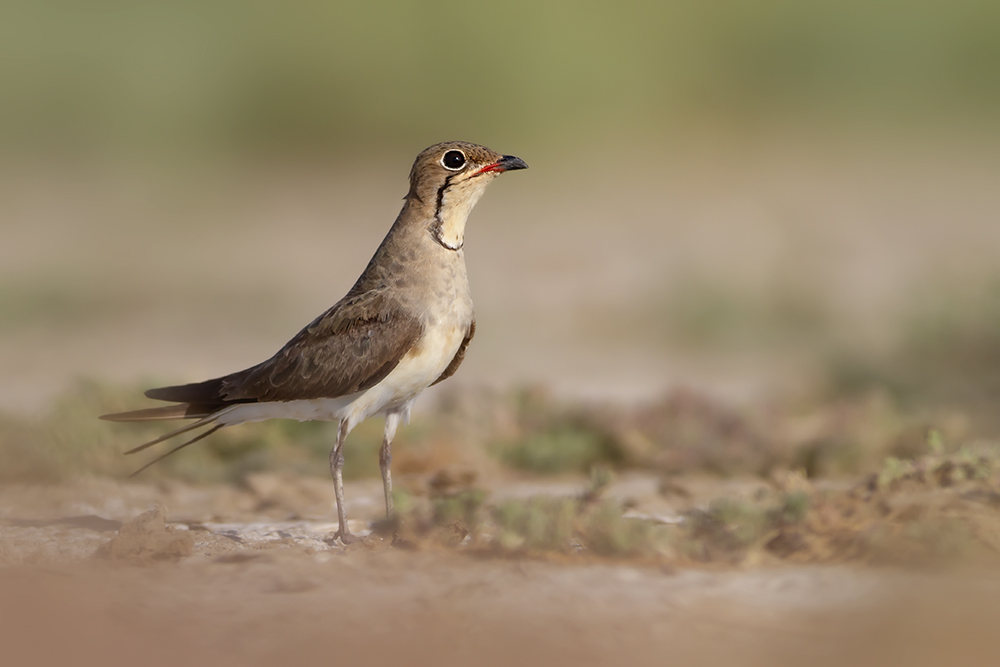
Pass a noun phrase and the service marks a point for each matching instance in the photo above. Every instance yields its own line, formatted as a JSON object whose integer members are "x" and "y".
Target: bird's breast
{"x": 430, "y": 356}
{"x": 437, "y": 292}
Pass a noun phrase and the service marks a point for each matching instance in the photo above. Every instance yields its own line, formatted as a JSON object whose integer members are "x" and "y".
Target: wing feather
{"x": 459, "y": 357}
{"x": 348, "y": 349}
{"x": 351, "y": 347}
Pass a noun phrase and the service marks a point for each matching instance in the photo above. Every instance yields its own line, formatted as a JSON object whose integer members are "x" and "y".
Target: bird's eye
{"x": 453, "y": 160}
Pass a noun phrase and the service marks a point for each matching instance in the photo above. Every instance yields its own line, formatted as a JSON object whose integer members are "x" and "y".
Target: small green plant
{"x": 794, "y": 507}
{"x": 606, "y": 531}
{"x": 462, "y": 508}
{"x": 893, "y": 470}
{"x": 537, "y": 524}
{"x": 556, "y": 450}
{"x": 935, "y": 442}
{"x": 601, "y": 478}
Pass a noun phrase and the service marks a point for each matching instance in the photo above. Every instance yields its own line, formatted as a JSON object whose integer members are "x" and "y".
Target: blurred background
{"x": 756, "y": 201}
{"x": 742, "y": 314}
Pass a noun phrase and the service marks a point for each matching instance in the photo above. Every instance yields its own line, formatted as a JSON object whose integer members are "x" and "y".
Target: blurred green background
{"x": 754, "y": 199}
{"x": 317, "y": 77}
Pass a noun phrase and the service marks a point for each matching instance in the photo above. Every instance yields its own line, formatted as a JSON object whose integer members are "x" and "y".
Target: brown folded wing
{"x": 347, "y": 349}
{"x": 459, "y": 356}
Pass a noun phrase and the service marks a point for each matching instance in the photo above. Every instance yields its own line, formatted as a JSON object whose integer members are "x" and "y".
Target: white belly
{"x": 416, "y": 371}
{"x": 316, "y": 409}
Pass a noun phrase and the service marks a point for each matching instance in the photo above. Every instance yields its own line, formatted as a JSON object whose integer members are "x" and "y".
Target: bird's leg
{"x": 336, "y": 468}
{"x": 385, "y": 459}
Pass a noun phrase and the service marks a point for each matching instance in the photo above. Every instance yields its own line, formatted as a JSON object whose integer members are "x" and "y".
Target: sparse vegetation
{"x": 526, "y": 430}
{"x": 937, "y": 508}
{"x": 938, "y": 505}
{"x": 927, "y": 496}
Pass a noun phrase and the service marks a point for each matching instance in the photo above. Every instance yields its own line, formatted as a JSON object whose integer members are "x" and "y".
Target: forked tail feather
{"x": 183, "y": 429}
{"x": 159, "y": 458}
{"x": 171, "y": 412}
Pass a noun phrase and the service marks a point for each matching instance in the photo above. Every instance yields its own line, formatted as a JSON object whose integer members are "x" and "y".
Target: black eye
{"x": 453, "y": 160}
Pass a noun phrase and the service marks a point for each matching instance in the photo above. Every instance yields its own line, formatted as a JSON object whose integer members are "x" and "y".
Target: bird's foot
{"x": 343, "y": 536}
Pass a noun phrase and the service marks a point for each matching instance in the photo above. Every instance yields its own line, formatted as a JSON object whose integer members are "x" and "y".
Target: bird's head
{"x": 448, "y": 179}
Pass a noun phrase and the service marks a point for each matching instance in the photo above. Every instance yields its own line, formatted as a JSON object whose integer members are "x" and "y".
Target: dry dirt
{"x": 100, "y": 572}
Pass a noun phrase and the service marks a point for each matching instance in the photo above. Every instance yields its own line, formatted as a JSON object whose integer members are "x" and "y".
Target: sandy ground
{"x": 53, "y": 524}
{"x": 233, "y": 576}
{"x": 404, "y": 608}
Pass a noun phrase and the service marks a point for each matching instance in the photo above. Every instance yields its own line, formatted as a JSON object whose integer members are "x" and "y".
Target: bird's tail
{"x": 180, "y": 411}
{"x": 205, "y": 416}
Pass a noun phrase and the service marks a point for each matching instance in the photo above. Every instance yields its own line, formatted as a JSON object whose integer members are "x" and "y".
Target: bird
{"x": 405, "y": 325}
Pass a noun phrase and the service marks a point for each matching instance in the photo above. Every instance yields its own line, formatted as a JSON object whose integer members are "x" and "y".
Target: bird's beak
{"x": 510, "y": 163}
{"x": 506, "y": 163}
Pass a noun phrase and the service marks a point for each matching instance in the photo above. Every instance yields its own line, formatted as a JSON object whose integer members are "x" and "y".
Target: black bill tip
{"x": 511, "y": 163}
